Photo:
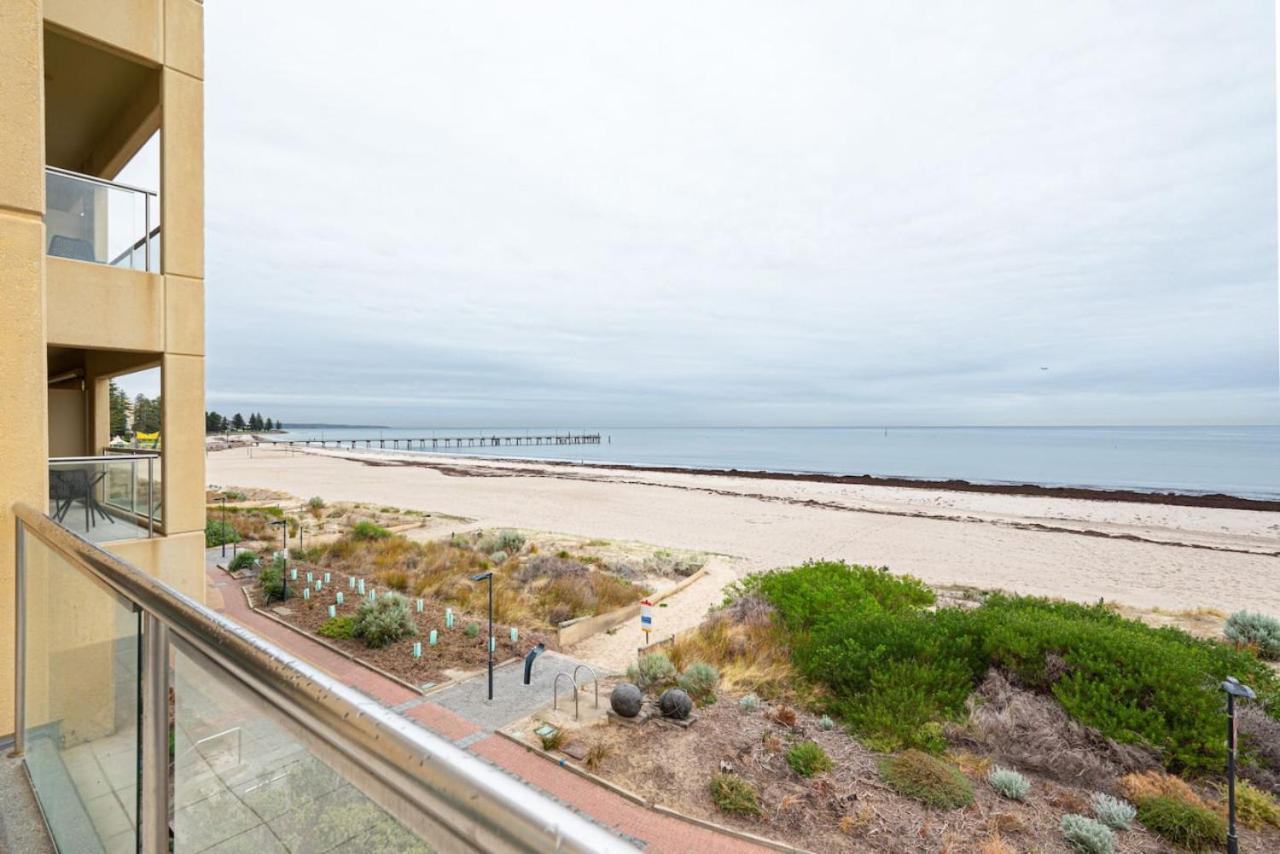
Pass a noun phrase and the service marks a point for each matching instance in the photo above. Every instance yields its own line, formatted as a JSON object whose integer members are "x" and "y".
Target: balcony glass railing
{"x": 148, "y": 720}
{"x": 115, "y": 497}
{"x": 89, "y": 219}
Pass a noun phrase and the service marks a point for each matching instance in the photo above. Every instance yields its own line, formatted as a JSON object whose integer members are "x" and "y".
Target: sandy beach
{"x": 1143, "y": 555}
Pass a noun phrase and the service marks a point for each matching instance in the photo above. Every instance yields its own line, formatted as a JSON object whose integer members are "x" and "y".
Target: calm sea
{"x": 1242, "y": 461}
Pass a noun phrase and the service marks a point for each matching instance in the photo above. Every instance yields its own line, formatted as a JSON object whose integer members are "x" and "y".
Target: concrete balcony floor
{"x": 21, "y": 825}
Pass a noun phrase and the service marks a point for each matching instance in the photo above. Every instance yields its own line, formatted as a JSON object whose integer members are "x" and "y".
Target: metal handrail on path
{"x": 445, "y": 795}
{"x": 594, "y": 678}
{"x": 555, "y": 692}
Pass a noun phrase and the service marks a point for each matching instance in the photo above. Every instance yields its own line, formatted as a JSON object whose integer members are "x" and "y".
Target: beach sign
{"x": 646, "y": 618}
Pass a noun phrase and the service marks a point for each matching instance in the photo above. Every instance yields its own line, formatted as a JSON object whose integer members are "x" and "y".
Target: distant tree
{"x": 146, "y": 414}
{"x": 268, "y": 425}
{"x": 237, "y": 421}
{"x": 279, "y": 424}
{"x": 119, "y": 403}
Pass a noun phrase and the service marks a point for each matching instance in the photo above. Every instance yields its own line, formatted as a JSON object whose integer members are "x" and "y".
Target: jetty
{"x": 442, "y": 442}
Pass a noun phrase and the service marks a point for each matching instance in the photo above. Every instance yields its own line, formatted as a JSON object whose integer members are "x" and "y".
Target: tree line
{"x": 217, "y": 423}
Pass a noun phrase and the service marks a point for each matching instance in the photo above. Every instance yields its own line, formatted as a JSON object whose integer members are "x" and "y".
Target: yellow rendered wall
{"x": 23, "y": 467}
{"x": 96, "y": 306}
{"x": 182, "y": 413}
{"x": 169, "y": 558}
{"x": 133, "y": 26}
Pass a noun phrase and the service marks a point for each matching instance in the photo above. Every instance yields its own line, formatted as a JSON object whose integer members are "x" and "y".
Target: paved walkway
{"x": 644, "y": 827}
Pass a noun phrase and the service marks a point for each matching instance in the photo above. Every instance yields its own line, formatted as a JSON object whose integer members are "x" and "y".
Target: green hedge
{"x": 895, "y": 670}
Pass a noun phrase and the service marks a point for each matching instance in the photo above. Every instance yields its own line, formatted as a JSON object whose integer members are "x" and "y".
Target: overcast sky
{"x": 609, "y": 214}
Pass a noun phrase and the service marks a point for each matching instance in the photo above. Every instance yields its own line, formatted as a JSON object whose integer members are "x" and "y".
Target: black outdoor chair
{"x": 66, "y": 486}
{"x": 78, "y": 249}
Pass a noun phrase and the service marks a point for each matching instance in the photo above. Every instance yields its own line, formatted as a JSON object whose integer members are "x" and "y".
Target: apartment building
{"x": 101, "y": 279}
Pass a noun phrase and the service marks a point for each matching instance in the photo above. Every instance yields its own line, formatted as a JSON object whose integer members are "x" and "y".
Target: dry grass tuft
{"x": 1143, "y": 786}
{"x": 995, "y": 844}
{"x": 750, "y": 656}
{"x": 999, "y": 823}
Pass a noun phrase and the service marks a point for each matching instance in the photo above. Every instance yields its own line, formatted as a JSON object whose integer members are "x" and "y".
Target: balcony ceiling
{"x": 88, "y": 92}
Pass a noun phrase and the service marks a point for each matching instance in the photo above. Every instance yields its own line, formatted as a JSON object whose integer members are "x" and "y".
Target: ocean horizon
{"x": 1242, "y": 461}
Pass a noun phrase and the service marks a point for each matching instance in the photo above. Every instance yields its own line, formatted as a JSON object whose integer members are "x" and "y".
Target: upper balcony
{"x": 102, "y": 222}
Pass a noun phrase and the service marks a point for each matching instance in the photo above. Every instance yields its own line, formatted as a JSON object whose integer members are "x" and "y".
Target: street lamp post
{"x": 284, "y": 570}
{"x": 488, "y": 640}
{"x": 1233, "y": 689}
{"x": 223, "y": 499}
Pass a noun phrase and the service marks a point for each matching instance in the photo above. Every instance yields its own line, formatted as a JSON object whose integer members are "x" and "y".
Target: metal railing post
{"x": 151, "y": 498}
{"x": 19, "y": 640}
{"x": 146, "y": 235}
{"x": 154, "y": 822}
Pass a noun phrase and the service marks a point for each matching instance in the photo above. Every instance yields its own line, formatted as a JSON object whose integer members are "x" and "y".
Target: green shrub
{"x": 315, "y": 504}
{"x": 895, "y": 672}
{"x": 1187, "y": 825}
{"x": 749, "y": 702}
{"x": 1009, "y": 783}
{"x": 365, "y": 531}
{"x": 384, "y": 621}
{"x": 826, "y": 724}
{"x": 217, "y": 532}
{"x": 498, "y": 558}
{"x": 1115, "y": 813}
{"x": 472, "y": 630}
{"x": 808, "y": 758}
{"x": 338, "y": 627}
{"x": 271, "y": 579}
{"x": 1134, "y": 683}
{"x": 734, "y": 795}
{"x": 654, "y": 669}
{"x": 699, "y": 681}
{"x": 552, "y": 740}
{"x": 1245, "y": 628}
{"x": 506, "y": 540}
{"x": 1086, "y": 835}
{"x": 243, "y": 560}
{"x": 927, "y": 779}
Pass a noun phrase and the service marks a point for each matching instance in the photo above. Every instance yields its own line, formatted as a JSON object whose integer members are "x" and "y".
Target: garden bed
{"x": 455, "y": 652}
{"x": 846, "y": 809}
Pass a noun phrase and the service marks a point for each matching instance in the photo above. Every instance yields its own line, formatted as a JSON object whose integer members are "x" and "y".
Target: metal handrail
{"x": 102, "y": 181}
{"x": 555, "y": 692}
{"x": 594, "y": 678}
{"x": 115, "y": 458}
{"x": 137, "y": 244}
{"x": 448, "y": 796}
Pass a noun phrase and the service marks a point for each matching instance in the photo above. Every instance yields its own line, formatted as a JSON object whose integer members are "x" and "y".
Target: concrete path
{"x": 643, "y": 827}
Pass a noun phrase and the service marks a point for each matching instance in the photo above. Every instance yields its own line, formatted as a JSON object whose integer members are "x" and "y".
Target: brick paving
{"x": 653, "y": 831}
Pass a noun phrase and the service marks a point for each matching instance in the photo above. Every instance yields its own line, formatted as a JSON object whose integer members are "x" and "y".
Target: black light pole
{"x": 284, "y": 570}
{"x": 488, "y": 642}
{"x": 1234, "y": 689}
{"x": 223, "y": 499}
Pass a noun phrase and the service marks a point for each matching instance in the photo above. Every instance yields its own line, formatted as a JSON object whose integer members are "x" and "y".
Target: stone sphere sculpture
{"x": 626, "y": 699}
{"x": 675, "y": 703}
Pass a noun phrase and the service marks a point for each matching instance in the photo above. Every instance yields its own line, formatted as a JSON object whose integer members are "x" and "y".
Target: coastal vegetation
{"x": 861, "y": 700}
